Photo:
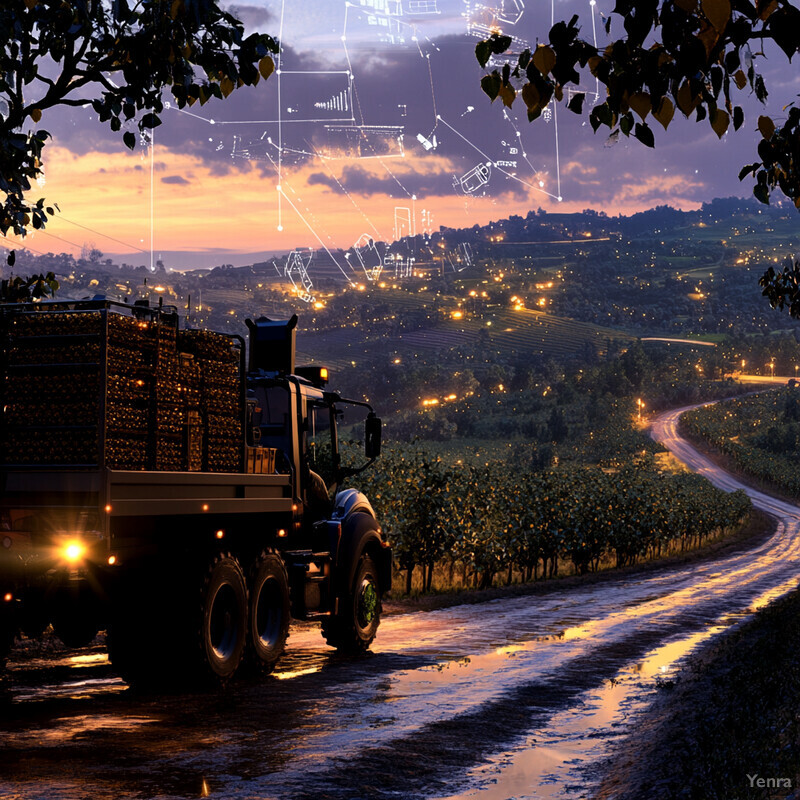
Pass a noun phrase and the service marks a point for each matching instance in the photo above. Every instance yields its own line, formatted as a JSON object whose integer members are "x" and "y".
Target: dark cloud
{"x": 175, "y": 179}
{"x": 253, "y": 17}
{"x": 356, "y": 180}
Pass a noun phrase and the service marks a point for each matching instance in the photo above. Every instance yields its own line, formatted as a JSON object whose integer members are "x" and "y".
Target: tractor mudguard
{"x": 361, "y": 534}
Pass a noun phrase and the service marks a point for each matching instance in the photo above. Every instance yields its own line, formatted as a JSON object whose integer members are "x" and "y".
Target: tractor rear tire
{"x": 223, "y": 619}
{"x": 268, "y": 619}
{"x": 180, "y": 629}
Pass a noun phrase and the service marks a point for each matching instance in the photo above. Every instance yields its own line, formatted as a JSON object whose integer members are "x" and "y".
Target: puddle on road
{"x": 767, "y": 597}
{"x": 16, "y": 664}
{"x": 552, "y": 762}
{"x": 67, "y": 730}
{"x": 74, "y": 690}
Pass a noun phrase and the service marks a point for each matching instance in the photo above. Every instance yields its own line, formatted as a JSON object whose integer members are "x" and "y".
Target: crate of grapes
{"x": 100, "y": 384}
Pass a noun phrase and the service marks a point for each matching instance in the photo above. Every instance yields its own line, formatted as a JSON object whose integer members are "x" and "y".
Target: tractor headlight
{"x": 73, "y": 552}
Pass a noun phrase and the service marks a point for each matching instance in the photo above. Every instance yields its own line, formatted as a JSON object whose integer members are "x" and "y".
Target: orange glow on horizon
{"x": 110, "y": 193}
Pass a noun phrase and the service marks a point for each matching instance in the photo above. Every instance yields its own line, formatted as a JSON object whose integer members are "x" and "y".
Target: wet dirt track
{"x": 514, "y": 698}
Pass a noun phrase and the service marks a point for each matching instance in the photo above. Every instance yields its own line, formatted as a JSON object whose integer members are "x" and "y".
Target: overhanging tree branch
{"x": 194, "y": 50}
{"x": 676, "y": 55}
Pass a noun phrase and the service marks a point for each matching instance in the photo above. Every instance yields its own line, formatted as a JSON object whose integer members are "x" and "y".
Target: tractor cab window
{"x": 271, "y": 416}
{"x": 319, "y": 441}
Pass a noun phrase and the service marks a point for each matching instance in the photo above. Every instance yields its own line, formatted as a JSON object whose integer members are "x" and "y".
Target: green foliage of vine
{"x": 494, "y": 517}
{"x": 760, "y": 433}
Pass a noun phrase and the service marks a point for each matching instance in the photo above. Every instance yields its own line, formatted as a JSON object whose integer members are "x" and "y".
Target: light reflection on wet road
{"x": 515, "y": 698}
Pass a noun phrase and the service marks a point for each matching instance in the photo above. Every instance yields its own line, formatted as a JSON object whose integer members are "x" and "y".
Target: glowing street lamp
{"x": 640, "y": 404}
{"x": 771, "y": 366}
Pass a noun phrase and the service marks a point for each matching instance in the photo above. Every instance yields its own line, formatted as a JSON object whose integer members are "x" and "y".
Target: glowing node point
{"x": 278, "y": 188}
{"x": 541, "y": 184}
{"x": 210, "y": 139}
{"x": 277, "y": 72}
{"x": 212, "y": 122}
{"x": 413, "y": 197}
{"x": 280, "y": 227}
{"x": 344, "y": 38}
{"x": 518, "y": 133}
{"x": 559, "y": 199}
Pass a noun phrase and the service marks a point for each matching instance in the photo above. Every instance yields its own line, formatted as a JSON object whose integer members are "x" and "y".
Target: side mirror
{"x": 372, "y": 436}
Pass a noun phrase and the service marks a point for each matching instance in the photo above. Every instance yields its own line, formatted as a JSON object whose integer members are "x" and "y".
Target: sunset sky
{"x": 381, "y": 127}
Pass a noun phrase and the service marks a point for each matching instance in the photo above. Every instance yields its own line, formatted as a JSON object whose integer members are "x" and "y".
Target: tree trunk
{"x": 409, "y": 573}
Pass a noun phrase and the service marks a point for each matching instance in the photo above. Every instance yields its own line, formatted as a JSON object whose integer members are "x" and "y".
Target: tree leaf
{"x": 507, "y": 94}
{"x": 643, "y": 133}
{"x": 665, "y": 112}
{"x": 12, "y": 257}
{"x": 720, "y": 121}
{"x": 130, "y": 139}
{"x": 740, "y": 78}
{"x": 784, "y": 25}
{"x": 266, "y": 67}
{"x": 640, "y": 103}
{"x": 764, "y": 8}
{"x": 766, "y": 126}
{"x": 499, "y": 43}
{"x": 531, "y": 96}
{"x": 483, "y": 52}
{"x": 738, "y": 118}
{"x": 718, "y": 13}
{"x": 687, "y": 100}
{"x": 36, "y": 114}
{"x": 544, "y": 59}
{"x": 491, "y": 84}
{"x": 576, "y": 104}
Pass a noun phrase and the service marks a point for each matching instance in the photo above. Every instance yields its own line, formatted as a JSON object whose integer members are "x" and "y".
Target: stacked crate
{"x": 220, "y": 406}
{"x": 127, "y": 402}
{"x": 69, "y": 372}
{"x": 51, "y": 387}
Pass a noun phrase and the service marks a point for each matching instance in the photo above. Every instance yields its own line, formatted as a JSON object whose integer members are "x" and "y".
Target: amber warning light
{"x": 317, "y": 376}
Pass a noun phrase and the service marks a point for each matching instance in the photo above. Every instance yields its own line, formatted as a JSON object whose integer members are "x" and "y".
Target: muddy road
{"x": 514, "y": 698}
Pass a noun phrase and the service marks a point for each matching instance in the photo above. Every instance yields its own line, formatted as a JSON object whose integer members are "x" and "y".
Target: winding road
{"x": 514, "y": 698}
